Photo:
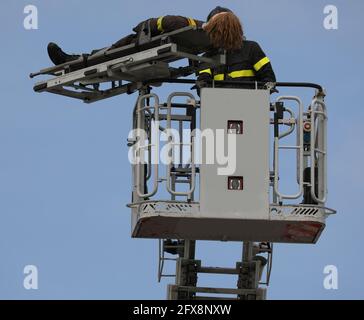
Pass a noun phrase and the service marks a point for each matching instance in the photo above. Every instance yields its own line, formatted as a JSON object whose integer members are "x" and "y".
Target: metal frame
{"x": 140, "y": 149}
{"x": 318, "y": 113}
{"x": 180, "y": 144}
{"x": 278, "y": 211}
{"x": 133, "y": 67}
{"x": 151, "y": 66}
{"x": 298, "y": 147}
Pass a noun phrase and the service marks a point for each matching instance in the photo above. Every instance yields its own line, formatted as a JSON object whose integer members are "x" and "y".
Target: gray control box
{"x": 242, "y": 193}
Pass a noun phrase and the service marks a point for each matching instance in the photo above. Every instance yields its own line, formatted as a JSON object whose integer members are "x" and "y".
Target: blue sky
{"x": 64, "y": 171}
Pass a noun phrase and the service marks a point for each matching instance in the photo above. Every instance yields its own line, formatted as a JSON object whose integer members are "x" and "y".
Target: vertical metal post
{"x": 191, "y": 251}
{"x": 180, "y": 130}
{"x": 249, "y": 275}
{"x": 247, "y": 251}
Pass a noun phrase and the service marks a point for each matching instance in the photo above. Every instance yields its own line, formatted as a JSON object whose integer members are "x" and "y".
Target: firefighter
{"x": 157, "y": 26}
{"x": 246, "y": 61}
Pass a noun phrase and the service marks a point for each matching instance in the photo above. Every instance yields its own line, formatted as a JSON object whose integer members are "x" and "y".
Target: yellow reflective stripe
{"x": 261, "y": 63}
{"x": 159, "y": 24}
{"x": 206, "y": 71}
{"x": 191, "y": 22}
{"x": 219, "y": 77}
{"x": 242, "y": 73}
{"x": 235, "y": 74}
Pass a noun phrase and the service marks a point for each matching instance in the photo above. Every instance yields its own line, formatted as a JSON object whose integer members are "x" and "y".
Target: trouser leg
{"x": 131, "y": 38}
{"x": 120, "y": 43}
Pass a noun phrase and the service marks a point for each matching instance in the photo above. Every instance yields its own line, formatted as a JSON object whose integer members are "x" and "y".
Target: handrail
{"x": 298, "y": 147}
{"x": 229, "y": 82}
{"x": 321, "y": 138}
{"x": 141, "y": 108}
{"x": 169, "y": 167}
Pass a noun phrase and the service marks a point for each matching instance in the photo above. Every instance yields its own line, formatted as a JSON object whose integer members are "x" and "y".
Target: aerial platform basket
{"x": 177, "y": 220}
{"x": 245, "y": 203}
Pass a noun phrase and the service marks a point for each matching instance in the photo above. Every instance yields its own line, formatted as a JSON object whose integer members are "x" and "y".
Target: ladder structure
{"x": 248, "y": 272}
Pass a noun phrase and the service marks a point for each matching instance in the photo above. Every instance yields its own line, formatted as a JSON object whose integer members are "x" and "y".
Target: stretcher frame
{"x": 134, "y": 64}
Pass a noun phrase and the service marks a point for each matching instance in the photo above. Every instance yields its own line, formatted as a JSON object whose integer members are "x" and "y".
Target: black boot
{"x": 58, "y": 56}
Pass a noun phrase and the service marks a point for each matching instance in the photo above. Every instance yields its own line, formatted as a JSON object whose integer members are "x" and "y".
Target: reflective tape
{"x": 159, "y": 24}
{"x": 206, "y": 71}
{"x": 261, "y": 63}
{"x": 235, "y": 74}
{"x": 191, "y": 22}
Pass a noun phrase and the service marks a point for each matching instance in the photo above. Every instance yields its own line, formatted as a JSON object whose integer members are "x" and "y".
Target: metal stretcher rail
{"x": 137, "y": 66}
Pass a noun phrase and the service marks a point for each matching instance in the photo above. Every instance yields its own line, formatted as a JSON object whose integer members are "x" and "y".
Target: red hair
{"x": 225, "y": 31}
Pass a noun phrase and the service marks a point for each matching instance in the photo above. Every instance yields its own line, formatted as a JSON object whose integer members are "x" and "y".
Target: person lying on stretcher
{"x": 157, "y": 26}
{"x": 245, "y": 60}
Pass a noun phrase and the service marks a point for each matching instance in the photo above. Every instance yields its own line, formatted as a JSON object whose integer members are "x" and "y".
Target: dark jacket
{"x": 163, "y": 24}
{"x": 246, "y": 64}
{"x": 168, "y": 23}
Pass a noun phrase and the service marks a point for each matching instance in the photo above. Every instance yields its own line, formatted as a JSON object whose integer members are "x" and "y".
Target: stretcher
{"x": 112, "y": 72}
